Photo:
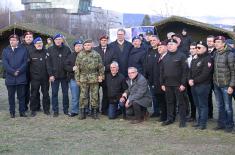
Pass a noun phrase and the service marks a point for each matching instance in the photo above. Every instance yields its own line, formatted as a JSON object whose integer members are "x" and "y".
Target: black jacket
{"x": 38, "y": 64}
{"x": 136, "y": 59}
{"x": 122, "y": 56}
{"x": 186, "y": 41}
{"x": 116, "y": 85}
{"x": 174, "y": 69}
{"x": 151, "y": 59}
{"x": 156, "y": 74}
{"x": 107, "y": 57}
{"x": 69, "y": 64}
{"x": 201, "y": 69}
{"x": 56, "y": 58}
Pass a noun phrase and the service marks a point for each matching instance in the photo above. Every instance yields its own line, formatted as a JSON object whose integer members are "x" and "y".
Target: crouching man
{"x": 138, "y": 94}
{"x": 116, "y": 85}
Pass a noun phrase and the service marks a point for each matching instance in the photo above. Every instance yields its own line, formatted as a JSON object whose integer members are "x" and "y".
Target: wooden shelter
{"x": 198, "y": 30}
{"x": 38, "y": 30}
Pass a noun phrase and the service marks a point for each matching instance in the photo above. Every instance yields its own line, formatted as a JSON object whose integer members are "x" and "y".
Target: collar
{"x": 120, "y": 42}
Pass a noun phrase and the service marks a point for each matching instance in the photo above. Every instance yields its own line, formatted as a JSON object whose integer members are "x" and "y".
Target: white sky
{"x": 224, "y": 8}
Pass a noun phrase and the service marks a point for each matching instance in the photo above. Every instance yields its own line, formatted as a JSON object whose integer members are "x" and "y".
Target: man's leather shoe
{"x": 73, "y": 114}
{"x": 167, "y": 122}
{"x": 12, "y": 115}
{"x": 23, "y": 115}
{"x": 56, "y": 114}
{"x": 33, "y": 113}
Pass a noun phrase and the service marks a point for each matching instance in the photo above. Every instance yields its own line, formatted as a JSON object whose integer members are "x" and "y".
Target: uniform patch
{"x": 199, "y": 63}
{"x": 209, "y": 64}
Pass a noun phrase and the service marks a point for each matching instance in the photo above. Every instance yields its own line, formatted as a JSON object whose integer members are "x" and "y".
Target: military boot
{"x": 82, "y": 114}
{"x": 95, "y": 114}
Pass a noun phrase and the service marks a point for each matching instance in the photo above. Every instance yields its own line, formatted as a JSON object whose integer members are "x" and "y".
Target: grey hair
{"x": 114, "y": 63}
{"x": 129, "y": 68}
{"x": 122, "y": 30}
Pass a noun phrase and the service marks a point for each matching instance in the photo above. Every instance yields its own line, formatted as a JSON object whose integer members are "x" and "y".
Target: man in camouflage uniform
{"x": 90, "y": 71}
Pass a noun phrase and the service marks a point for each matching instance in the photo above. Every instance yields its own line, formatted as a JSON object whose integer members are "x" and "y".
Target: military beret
{"x": 162, "y": 43}
{"x": 172, "y": 41}
{"x": 229, "y": 41}
{"x": 149, "y": 32}
{"x": 203, "y": 43}
{"x": 38, "y": 39}
{"x": 136, "y": 37}
{"x": 28, "y": 33}
{"x": 78, "y": 42}
{"x": 141, "y": 35}
{"x": 220, "y": 38}
{"x": 104, "y": 37}
{"x": 14, "y": 36}
{"x": 87, "y": 41}
{"x": 58, "y": 36}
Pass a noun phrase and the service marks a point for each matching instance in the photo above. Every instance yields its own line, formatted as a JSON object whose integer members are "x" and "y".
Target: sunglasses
{"x": 199, "y": 48}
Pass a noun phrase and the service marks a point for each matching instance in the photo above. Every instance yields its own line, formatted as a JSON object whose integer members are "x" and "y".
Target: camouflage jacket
{"x": 89, "y": 67}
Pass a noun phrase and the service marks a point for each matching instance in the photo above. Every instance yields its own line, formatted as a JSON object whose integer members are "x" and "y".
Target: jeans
{"x": 200, "y": 96}
{"x": 112, "y": 110}
{"x": 12, "y": 89}
{"x": 55, "y": 89}
{"x": 224, "y": 103}
{"x": 75, "y": 92}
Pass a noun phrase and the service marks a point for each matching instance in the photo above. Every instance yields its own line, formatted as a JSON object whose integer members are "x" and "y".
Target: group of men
{"x": 175, "y": 76}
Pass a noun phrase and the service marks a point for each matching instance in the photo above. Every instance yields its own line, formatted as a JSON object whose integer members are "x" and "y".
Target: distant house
{"x": 38, "y": 30}
{"x": 198, "y": 30}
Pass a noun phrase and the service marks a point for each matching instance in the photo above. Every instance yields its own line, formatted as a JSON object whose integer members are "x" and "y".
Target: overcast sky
{"x": 192, "y": 8}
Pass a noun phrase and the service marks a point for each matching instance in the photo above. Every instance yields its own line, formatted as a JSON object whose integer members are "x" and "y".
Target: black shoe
{"x": 56, "y": 114}
{"x": 202, "y": 127}
{"x": 155, "y": 115}
{"x": 219, "y": 128}
{"x": 23, "y": 115}
{"x": 73, "y": 114}
{"x": 12, "y": 115}
{"x": 47, "y": 112}
{"x": 66, "y": 113}
{"x": 228, "y": 130}
{"x": 33, "y": 113}
{"x": 182, "y": 124}
{"x": 167, "y": 122}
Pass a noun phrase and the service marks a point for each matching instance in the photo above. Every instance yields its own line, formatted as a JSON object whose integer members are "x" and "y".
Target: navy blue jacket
{"x": 13, "y": 61}
{"x": 122, "y": 56}
{"x": 136, "y": 59}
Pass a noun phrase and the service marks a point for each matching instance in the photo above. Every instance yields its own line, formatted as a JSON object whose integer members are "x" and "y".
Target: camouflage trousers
{"x": 89, "y": 91}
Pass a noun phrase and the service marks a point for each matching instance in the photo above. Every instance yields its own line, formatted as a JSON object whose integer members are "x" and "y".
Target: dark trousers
{"x": 210, "y": 102}
{"x": 55, "y": 89}
{"x": 162, "y": 106}
{"x": 200, "y": 96}
{"x": 155, "y": 101}
{"x": 139, "y": 111}
{"x": 105, "y": 103}
{"x": 20, "y": 90}
{"x": 27, "y": 95}
{"x": 172, "y": 93}
{"x": 34, "y": 100}
{"x": 192, "y": 105}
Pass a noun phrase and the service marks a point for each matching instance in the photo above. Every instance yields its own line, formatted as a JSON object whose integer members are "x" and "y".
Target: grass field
{"x": 45, "y": 135}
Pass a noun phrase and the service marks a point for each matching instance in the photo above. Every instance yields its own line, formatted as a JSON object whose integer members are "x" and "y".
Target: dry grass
{"x": 63, "y": 135}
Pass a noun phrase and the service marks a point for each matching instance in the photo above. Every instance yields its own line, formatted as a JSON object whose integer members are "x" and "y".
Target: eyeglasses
{"x": 198, "y": 47}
